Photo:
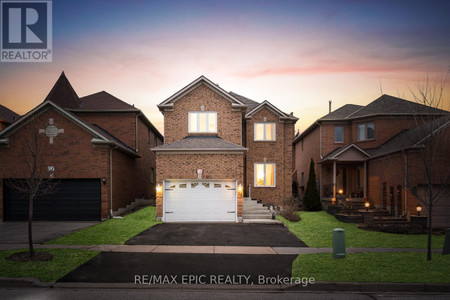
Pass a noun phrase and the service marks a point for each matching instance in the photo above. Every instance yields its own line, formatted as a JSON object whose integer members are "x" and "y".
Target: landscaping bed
{"x": 315, "y": 229}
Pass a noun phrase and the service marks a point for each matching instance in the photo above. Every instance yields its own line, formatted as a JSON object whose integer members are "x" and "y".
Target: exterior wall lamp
{"x": 158, "y": 188}
{"x": 418, "y": 209}
{"x": 367, "y": 205}
{"x": 240, "y": 188}
{"x": 104, "y": 180}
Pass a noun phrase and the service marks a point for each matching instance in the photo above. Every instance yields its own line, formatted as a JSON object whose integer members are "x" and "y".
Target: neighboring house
{"x": 97, "y": 147}
{"x": 7, "y": 117}
{"x": 360, "y": 153}
{"x": 218, "y": 146}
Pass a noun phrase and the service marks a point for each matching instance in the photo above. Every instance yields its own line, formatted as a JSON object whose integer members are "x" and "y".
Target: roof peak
{"x": 63, "y": 93}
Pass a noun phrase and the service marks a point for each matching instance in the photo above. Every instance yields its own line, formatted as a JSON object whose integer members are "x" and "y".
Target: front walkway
{"x": 211, "y": 249}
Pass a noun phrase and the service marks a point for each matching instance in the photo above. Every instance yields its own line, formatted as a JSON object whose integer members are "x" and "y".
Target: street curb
{"x": 320, "y": 286}
{"x": 23, "y": 282}
{"x": 370, "y": 287}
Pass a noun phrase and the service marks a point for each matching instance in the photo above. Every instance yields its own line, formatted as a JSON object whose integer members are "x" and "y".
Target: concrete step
{"x": 261, "y": 221}
{"x": 256, "y": 210}
{"x": 257, "y": 216}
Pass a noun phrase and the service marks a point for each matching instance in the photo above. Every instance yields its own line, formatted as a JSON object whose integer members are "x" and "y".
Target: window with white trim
{"x": 265, "y": 175}
{"x": 202, "y": 122}
{"x": 365, "y": 132}
{"x": 264, "y": 131}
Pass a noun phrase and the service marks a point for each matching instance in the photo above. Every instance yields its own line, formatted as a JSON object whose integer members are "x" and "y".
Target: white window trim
{"x": 264, "y": 134}
{"x": 198, "y": 123}
{"x": 365, "y": 132}
{"x": 274, "y": 175}
{"x": 338, "y": 142}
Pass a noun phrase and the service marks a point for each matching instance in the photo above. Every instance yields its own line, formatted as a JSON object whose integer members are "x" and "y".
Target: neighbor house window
{"x": 264, "y": 175}
{"x": 152, "y": 175}
{"x": 366, "y": 131}
{"x": 338, "y": 134}
{"x": 264, "y": 131}
{"x": 203, "y": 122}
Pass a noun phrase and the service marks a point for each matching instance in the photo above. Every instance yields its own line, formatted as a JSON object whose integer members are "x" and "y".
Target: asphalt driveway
{"x": 17, "y": 232}
{"x": 216, "y": 234}
{"x": 199, "y": 268}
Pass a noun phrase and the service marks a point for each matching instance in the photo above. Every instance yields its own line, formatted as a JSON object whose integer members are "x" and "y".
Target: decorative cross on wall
{"x": 51, "y": 130}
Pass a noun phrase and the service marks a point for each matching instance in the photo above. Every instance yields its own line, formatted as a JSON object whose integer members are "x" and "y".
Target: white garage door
{"x": 200, "y": 201}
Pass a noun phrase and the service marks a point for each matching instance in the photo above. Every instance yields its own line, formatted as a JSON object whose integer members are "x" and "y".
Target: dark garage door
{"x": 72, "y": 200}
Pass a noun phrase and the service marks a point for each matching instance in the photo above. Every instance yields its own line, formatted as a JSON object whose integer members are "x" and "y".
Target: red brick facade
{"x": 232, "y": 126}
{"x": 75, "y": 155}
{"x": 229, "y": 122}
{"x": 385, "y": 174}
{"x": 279, "y": 152}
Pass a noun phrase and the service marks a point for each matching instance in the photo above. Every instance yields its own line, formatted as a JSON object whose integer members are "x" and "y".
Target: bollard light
{"x": 418, "y": 208}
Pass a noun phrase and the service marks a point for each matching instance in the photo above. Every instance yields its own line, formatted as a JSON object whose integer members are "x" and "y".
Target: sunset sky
{"x": 296, "y": 54}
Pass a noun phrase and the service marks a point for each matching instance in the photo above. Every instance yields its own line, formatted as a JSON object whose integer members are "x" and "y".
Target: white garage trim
{"x": 172, "y": 198}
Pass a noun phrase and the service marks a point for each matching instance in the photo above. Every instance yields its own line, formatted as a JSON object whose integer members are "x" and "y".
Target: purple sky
{"x": 296, "y": 54}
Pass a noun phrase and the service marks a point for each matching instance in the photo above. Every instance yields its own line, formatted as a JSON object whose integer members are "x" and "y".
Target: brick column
{"x": 240, "y": 200}
{"x": 159, "y": 201}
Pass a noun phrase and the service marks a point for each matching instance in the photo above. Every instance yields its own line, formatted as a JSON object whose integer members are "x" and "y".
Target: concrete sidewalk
{"x": 211, "y": 249}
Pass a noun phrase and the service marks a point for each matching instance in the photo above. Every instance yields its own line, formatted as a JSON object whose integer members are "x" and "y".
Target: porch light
{"x": 240, "y": 188}
{"x": 367, "y": 205}
{"x": 418, "y": 208}
{"x": 158, "y": 188}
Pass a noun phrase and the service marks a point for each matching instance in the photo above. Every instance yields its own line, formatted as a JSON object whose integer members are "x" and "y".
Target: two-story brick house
{"x": 218, "y": 146}
{"x": 360, "y": 154}
{"x": 97, "y": 147}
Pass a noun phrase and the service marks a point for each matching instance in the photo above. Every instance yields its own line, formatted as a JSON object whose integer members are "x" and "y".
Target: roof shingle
{"x": 200, "y": 143}
{"x": 104, "y": 101}
{"x": 8, "y": 115}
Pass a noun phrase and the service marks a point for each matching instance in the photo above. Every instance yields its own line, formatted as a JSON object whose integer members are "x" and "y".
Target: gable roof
{"x": 385, "y": 105}
{"x": 7, "y": 115}
{"x": 336, "y": 153}
{"x": 389, "y": 105}
{"x": 63, "y": 94}
{"x": 273, "y": 108}
{"x": 342, "y": 112}
{"x": 410, "y": 138}
{"x": 168, "y": 103}
{"x": 100, "y": 136}
{"x": 103, "y": 101}
{"x": 200, "y": 143}
{"x": 251, "y": 104}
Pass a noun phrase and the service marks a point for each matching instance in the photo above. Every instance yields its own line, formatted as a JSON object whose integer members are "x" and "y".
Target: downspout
{"x": 111, "y": 181}
{"x": 137, "y": 140}
{"x": 406, "y": 181}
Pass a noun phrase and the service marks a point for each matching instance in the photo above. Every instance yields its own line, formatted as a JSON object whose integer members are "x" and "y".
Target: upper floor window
{"x": 202, "y": 122}
{"x": 264, "y": 175}
{"x": 265, "y": 131}
{"x": 366, "y": 132}
{"x": 338, "y": 134}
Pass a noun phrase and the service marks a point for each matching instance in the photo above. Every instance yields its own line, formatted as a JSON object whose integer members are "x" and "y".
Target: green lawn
{"x": 315, "y": 229}
{"x": 374, "y": 267}
{"x": 112, "y": 231}
{"x": 64, "y": 261}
